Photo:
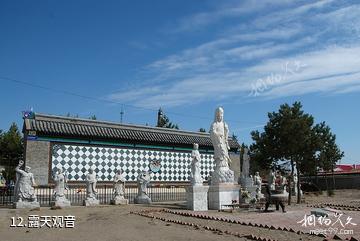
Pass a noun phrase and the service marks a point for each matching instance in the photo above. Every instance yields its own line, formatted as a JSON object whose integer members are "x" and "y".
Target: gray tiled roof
{"x": 59, "y": 126}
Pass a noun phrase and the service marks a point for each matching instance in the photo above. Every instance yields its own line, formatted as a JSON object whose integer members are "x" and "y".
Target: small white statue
{"x": 143, "y": 180}
{"x": 119, "y": 189}
{"x": 271, "y": 180}
{"x": 2, "y": 180}
{"x": 282, "y": 182}
{"x": 119, "y": 184}
{"x": 295, "y": 179}
{"x": 219, "y": 134}
{"x": 91, "y": 181}
{"x": 25, "y": 196}
{"x": 196, "y": 178}
{"x": 257, "y": 183}
{"x": 60, "y": 179}
{"x": 25, "y": 182}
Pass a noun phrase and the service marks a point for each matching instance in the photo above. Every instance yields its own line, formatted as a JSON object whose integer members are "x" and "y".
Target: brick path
{"x": 291, "y": 218}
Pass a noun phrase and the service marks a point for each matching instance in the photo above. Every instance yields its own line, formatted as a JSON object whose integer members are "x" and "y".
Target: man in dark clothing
{"x": 278, "y": 202}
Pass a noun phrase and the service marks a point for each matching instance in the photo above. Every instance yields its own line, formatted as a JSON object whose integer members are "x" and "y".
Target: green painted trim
{"x": 61, "y": 140}
{"x": 151, "y": 146}
{"x": 111, "y": 143}
{"x": 118, "y": 144}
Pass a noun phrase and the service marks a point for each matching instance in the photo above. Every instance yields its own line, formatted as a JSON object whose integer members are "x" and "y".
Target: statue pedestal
{"x": 246, "y": 182}
{"x": 119, "y": 201}
{"x": 25, "y": 204}
{"x": 223, "y": 194}
{"x": 196, "y": 197}
{"x": 61, "y": 203}
{"x": 91, "y": 202}
{"x": 142, "y": 199}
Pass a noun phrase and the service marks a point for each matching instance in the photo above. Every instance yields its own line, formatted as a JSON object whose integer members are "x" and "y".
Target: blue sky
{"x": 187, "y": 57}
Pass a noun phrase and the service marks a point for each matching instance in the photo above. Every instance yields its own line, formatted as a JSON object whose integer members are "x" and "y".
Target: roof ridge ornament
{"x": 28, "y": 114}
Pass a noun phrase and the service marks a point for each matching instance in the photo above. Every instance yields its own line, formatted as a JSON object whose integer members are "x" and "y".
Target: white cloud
{"x": 232, "y": 64}
{"x": 240, "y": 9}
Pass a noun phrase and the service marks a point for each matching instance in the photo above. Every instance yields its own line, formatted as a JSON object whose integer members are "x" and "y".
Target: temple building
{"x": 75, "y": 144}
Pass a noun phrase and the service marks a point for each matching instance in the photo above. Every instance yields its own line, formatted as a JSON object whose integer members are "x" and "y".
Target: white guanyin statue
{"x": 196, "y": 179}
{"x": 219, "y": 133}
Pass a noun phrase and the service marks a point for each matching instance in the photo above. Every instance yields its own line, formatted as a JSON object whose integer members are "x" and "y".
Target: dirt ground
{"x": 112, "y": 223}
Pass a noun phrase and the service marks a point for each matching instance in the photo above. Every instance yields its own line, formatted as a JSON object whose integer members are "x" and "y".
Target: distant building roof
{"x": 346, "y": 167}
{"x": 60, "y": 126}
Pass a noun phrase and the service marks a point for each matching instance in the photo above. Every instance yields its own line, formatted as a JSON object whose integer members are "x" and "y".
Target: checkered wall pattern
{"x": 77, "y": 159}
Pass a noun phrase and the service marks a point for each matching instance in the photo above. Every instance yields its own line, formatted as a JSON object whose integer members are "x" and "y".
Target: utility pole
{"x": 121, "y": 114}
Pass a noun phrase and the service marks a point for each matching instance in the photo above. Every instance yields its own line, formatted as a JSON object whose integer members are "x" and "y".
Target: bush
{"x": 330, "y": 192}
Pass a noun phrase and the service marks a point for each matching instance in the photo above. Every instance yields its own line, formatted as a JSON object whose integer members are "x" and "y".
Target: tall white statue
{"x": 25, "y": 196}
{"x": 91, "y": 180}
{"x": 219, "y": 134}
{"x": 60, "y": 179}
{"x": 196, "y": 178}
{"x": 246, "y": 164}
{"x": 119, "y": 189}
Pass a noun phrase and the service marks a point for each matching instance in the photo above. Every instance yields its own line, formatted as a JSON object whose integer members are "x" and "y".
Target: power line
{"x": 65, "y": 92}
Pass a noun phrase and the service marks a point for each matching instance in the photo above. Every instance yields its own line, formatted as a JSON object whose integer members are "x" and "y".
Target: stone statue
{"x": 295, "y": 180}
{"x": 219, "y": 133}
{"x": 2, "y": 180}
{"x": 271, "y": 180}
{"x": 252, "y": 180}
{"x": 196, "y": 178}
{"x": 25, "y": 196}
{"x": 142, "y": 181}
{"x": 282, "y": 182}
{"x": 91, "y": 180}
{"x": 60, "y": 179}
{"x": 257, "y": 183}
{"x": 246, "y": 163}
{"x": 246, "y": 180}
{"x": 119, "y": 189}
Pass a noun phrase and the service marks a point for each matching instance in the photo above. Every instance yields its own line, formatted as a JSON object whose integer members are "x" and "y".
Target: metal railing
{"x": 77, "y": 193}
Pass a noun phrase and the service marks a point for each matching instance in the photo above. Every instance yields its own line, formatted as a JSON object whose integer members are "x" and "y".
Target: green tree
{"x": 93, "y": 117}
{"x": 290, "y": 137}
{"x": 163, "y": 121}
{"x": 285, "y": 139}
{"x": 328, "y": 153}
{"x": 202, "y": 130}
{"x": 11, "y": 150}
{"x": 234, "y": 137}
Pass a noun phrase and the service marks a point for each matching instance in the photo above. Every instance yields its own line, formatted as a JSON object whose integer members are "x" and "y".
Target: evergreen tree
{"x": 11, "y": 150}
{"x": 163, "y": 121}
{"x": 290, "y": 137}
